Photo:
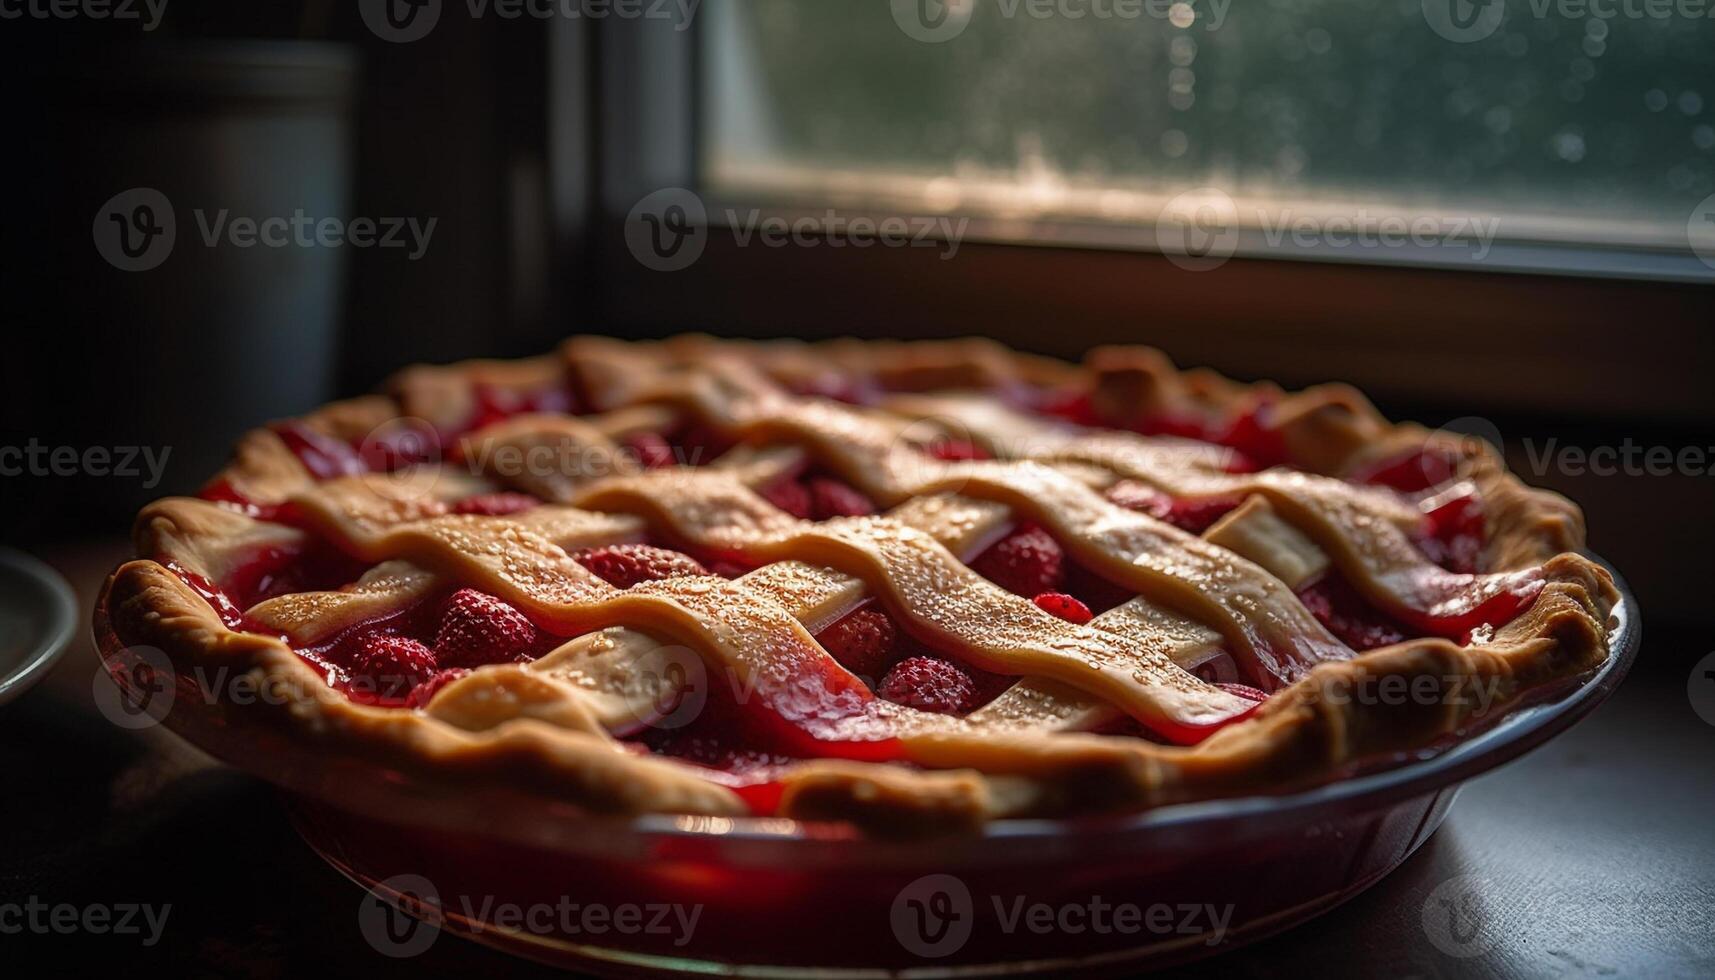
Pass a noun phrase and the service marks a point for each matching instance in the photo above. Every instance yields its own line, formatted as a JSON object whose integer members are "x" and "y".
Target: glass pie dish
{"x": 683, "y": 896}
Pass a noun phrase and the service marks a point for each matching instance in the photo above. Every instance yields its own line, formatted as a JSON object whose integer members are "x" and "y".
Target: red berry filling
{"x": 1071, "y": 404}
{"x": 477, "y": 629}
{"x": 399, "y": 444}
{"x": 1027, "y": 562}
{"x": 496, "y": 504}
{"x": 323, "y": 455}
{"x": 698, "y": 445}
{"x": 929, "y": 684}
{"x": 957, "y": 450}
{"x": 625, "y": 565}
{"x": 817, "y": 497}
{"x": 1193, "y": 516}
{"x": 1455, "y": 533}
{"x": 863, "y": 641}
{"x": 497, "y": 404}
{"x": 728, "y": 569}
{"x": 425, "y": 692}
{"x": 790, "y": 496}
{"x": 389, "y": 667}
{"x": 652, "y": 450}
{"x": 1413, "y": 472}
{"x": 1345, "y": 614}
{"x": 1253, "y": 435}
{"x": 871, "y": 645}
{"x": 1065, "y": 607}
{"x": 1244, "y": 691}
{"x": 831, "y": 498}
{"x": 723, "y": 736}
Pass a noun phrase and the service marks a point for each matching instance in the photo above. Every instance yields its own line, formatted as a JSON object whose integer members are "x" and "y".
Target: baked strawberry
{"x": 496, "y": 504}
{"x": 425, "y": 692}
{"x": 1064, "y": 606}
{"x": 1027, "y": 562}
{"x": 929, "y": 684}
{"x": 1244, "y": 691}
{"x": 389, "y": 666}
{"x": 790, "y": 496}
{"x": 477, "y": 629}
{"x": 831, "y": 498}
{"x": 652, "y": 451}
{"x": 862, "y": 641}
{"x": 625, "y": 565}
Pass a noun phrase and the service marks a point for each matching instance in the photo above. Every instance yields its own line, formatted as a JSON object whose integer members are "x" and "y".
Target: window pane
{"x": 1577, "y": 119}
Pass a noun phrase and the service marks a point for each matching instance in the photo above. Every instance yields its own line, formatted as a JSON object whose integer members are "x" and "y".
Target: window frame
{"x": 1520, "y": 332}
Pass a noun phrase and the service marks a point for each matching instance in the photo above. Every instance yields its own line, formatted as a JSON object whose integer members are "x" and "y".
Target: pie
{"x": 911, "y": 587}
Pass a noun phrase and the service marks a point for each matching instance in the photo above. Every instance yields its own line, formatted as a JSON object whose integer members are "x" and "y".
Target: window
{"x": 1473, "y": 132}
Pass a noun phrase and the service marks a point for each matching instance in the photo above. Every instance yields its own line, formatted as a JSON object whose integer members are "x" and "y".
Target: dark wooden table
{"x": 1594, "y": 856}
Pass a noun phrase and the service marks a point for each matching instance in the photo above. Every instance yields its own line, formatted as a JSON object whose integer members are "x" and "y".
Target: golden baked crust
{"x": 549, "y": 728}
